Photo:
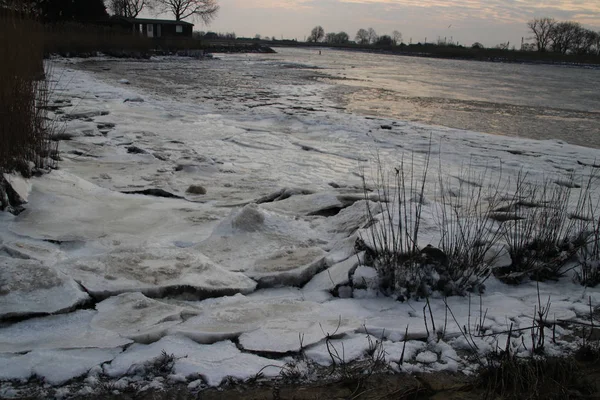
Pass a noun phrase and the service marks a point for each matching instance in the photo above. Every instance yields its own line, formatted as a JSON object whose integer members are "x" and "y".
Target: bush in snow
{"x": 391, "y": 240}
{"x": 543, "y": 226}
{"x": 467, "y": 235}
{"x": 543, "y": 236}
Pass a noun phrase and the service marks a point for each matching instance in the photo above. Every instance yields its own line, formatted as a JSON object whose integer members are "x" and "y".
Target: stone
{"x": 196, "y": 189}
{"x": 136, "y": 150}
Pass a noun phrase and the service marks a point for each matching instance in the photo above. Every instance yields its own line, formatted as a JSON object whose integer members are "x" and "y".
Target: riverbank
{"x": 202, "y": 228}
{"x": 431, "y": 50}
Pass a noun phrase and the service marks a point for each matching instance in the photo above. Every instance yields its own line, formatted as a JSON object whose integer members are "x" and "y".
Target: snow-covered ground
{"x": 249, "y": 259}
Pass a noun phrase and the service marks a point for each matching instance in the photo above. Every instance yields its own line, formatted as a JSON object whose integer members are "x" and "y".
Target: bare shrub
{"x": 469, "y": 234}
{"x": 589, "y": 253}
{"x": 545, "y": 235}
{"x": 393, "y": 233}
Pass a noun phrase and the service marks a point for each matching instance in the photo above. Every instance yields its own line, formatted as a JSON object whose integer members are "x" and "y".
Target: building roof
{"x": 157, "y": 21}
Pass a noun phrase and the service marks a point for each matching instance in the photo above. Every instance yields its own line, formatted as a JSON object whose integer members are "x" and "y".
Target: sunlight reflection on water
{"x": 534, "y": 101}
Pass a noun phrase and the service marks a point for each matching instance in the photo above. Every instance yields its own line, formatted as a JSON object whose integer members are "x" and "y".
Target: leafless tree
{"x": 397, "y": 38}
{"x": 362, "y": 36}
{"x": 586, "y": 42}
{"x": 372, "y": 36}
{"x": 317, "y": 34}
{"x": 206, "y": 10}
{"x": 542, "y": 31}
{"x": 127, "y": 8}
{"x": 564, "y": 35}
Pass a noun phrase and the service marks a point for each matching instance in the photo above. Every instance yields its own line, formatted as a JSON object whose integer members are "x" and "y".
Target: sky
{"x": 489, "y": 22}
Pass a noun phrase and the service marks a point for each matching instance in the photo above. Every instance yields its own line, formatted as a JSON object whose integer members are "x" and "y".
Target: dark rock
{"x": 10, "y": 200}
{"x": 196, "y": 189}
{"x": 389, "y": 127}
{"x": 136, "y": 150}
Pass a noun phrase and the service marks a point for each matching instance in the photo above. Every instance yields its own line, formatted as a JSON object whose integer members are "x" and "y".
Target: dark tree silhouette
{"x": 61, "y": 10}
{"x": 317, "y": 34}
{"x": 372, "y": 36}
{"x": 127, "y": 8}
{"x": 337, "y": 38}
{"x": 384, "y": 40}
{"x": 542, "y": 32}
{"x": 397, "y": 38}
{"x": 362, "y": 36}
{"x": 206, "y": 10}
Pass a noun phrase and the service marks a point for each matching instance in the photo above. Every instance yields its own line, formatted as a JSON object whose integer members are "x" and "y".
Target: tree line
{"x": 363, "y": 36}
{"x": 564, "y": 37}
{"x": 92, "y": 10}
{"x": 549, "y": 35}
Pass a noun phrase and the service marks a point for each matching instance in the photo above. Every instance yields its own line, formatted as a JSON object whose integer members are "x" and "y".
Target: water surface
{"x": 533, "y": 101}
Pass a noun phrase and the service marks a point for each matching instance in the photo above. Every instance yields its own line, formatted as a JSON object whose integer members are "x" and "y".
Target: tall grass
{"x": 25, "y": 129}
{"x": 546, "y": 235}
{"x": 544, "y": 226}
{"x": 393, "y": 235}
{"x": 469, "y": 234}
{"x": 24, "y": 126}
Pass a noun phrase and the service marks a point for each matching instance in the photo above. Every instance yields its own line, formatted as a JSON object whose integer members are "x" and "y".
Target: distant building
{"x": 155, "y": 28}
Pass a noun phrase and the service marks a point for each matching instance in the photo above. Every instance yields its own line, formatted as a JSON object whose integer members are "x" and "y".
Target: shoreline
{"x": 129, "y": 137}
{"x": 503, "y": 59}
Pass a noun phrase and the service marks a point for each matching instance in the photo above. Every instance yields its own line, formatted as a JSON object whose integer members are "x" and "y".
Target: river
{"x": 533, "y": 101}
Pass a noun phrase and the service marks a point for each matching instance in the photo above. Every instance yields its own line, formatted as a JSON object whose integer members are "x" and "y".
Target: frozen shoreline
{"x": 188, "y": 267}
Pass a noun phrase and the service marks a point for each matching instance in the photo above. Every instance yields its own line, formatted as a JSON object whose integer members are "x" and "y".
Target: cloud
{"x": 486, "y": 21}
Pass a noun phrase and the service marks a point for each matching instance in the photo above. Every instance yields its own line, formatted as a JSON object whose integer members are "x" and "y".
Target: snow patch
{"x": 68, "y": 331}
{"x": 154, "y": 271}
{"x": 136, "y": 317}
{"x": 53, "y": 366}
{"x": 213, "y": 362}
{"x": 29, "y": 287}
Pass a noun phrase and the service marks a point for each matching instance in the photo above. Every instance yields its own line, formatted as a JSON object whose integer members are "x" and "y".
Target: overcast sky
{"x": 490, "y": 22}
